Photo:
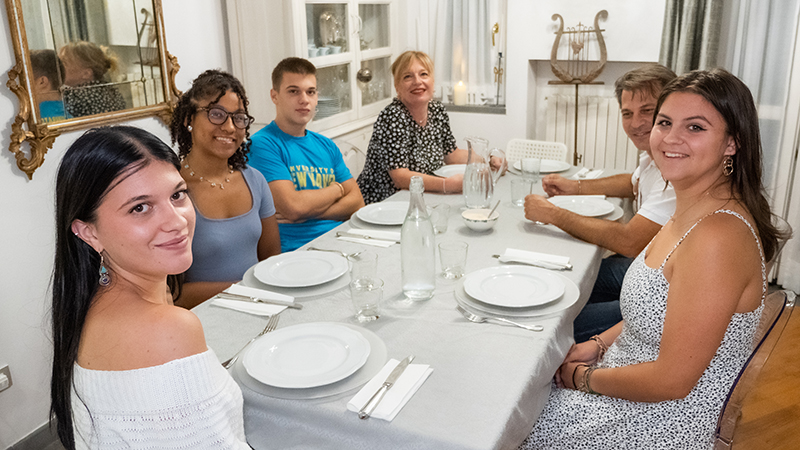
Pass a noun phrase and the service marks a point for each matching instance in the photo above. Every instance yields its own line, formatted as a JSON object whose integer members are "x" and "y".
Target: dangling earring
{"x": 104, "y": 280}
{"x": 727, "y": 166}
{"x": 189, "y": 127}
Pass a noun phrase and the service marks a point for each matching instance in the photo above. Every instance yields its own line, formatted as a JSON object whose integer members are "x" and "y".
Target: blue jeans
{"x": 602, "y": 310}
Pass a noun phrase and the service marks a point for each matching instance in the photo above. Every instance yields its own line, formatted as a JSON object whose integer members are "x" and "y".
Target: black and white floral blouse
{"x": 399, "y": 142}
{"x": 92, "y": 98}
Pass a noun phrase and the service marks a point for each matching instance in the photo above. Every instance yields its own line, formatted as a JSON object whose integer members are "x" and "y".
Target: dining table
{"x": 490, "y": 381}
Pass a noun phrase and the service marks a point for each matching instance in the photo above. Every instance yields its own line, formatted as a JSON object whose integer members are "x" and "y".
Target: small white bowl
{"x": 476, "y": 220}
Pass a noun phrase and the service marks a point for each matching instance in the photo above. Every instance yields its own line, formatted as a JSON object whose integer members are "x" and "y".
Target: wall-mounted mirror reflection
{"x": 83, "y": 63}
{"x": 92, "y": 56}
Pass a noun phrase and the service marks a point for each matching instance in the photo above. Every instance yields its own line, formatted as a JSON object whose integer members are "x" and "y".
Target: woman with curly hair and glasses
{"x": 236, "y": 224}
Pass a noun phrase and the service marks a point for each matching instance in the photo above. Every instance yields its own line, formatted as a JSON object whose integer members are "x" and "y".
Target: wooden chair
{"x": 526, "y": 148}
{"x": 778, "y": 308}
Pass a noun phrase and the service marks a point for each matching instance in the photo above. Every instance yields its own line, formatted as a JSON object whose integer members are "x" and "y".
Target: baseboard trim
{"x": 44, "y": 437}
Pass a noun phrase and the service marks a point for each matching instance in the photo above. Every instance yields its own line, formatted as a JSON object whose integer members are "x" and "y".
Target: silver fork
{"x": 479, "y": 319}
{"x": 271, "y": 325}
{"x": 346, "y": 255}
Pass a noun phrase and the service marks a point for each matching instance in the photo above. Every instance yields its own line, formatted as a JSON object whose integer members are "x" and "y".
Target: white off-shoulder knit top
{"x": 188, "y": 403}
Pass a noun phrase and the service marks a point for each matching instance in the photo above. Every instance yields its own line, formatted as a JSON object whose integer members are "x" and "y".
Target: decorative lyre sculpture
{"x": 577, "y": 69}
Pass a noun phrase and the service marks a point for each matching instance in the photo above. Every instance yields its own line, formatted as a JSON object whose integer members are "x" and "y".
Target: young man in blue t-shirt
{"x": 312, "y": 188}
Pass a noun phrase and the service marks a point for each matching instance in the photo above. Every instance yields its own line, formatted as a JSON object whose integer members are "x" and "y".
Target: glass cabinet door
{"x": 327, "y": 29}
{"x": 374, "y": 27}
{"x": 379, "y": 87}
{"x": 333, "y": 91}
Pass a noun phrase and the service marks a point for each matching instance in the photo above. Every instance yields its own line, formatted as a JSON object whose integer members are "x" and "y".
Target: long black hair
{"x": 90, "y": 169}
{"x": 209, "y": 84}
{"x": 734, "y": 102}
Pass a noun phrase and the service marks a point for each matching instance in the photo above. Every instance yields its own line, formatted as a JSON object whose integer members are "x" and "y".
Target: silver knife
{"x": 247, "y": 298}
{"x": 363, "y": 236}
{"x": 544, "y": 264}
{"x": 390, "y": 381}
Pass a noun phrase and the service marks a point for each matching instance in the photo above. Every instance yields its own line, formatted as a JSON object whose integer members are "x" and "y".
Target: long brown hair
{"x": 732, "y": 99}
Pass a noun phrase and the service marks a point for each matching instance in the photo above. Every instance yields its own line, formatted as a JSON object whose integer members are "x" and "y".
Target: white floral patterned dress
{"x": 577, "y": 420}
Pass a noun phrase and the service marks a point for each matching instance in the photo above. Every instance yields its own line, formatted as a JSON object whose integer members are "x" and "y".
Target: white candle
{"x": 460, "y": 94}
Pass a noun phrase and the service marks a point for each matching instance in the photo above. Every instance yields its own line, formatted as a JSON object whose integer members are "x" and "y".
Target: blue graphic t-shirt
{"x": 310, "y": 162}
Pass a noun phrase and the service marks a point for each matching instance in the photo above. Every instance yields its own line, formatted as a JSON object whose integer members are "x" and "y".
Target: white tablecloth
{"x": 490, "y": 382}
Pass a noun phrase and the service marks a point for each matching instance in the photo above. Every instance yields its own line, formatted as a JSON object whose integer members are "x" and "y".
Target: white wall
{"x": 196, "y": 36}
{"x": 633, "y": 33}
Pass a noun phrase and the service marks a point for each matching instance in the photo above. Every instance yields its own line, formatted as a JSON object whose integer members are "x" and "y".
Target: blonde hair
{"x": 404, "y": 61}
{"x": 91, "y": 56}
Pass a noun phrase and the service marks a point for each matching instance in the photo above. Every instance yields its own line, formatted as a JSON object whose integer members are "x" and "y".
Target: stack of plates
{"x": 311, "y": 360}
{"x": 548, "y": 166}
{"x": 384, "y": 213}
{"x": 328, "y": 106}
{"x": 516, "y": 291}
{"x": 300, "y": 274}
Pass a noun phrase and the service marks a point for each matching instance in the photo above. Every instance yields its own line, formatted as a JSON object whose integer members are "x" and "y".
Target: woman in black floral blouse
{"x": 87, "y": 88}
{"x": 411, "y": 136}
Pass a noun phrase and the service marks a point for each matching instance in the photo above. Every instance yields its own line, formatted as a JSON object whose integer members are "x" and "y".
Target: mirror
{"x": 83, "y": 63}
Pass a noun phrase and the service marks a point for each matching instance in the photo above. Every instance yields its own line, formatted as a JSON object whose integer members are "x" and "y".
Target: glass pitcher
{"x": 479, "y": 177}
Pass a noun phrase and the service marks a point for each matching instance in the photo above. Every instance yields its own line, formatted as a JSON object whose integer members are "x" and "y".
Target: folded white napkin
{"x": 378, "y": 238}
{"x": 527, "y": 257}
{"x": 396, "y": 397}
{"x": 565, "y": 197}
{"x": 594, "y": 173}
{"x": 259, "y": 309}
{"x": 585, "y": 173}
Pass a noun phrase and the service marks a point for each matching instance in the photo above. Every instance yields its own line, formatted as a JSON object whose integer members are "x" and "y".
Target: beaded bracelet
{"x": 602, "y": 345}
{"x": 579, "y": 187}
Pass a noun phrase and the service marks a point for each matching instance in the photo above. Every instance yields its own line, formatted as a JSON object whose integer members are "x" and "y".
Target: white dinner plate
{"x": 514, "y": 286}
{"x": 450, "y": 169}
{"x": 585, "y": 206}
{"x": 548, "y": 166}
{"x": 571, "y": 294}
{"x": 378, "y": 355}
{"x": 384, "y": 213}
{"x": 299, "y": 293}
{"x": 306, "y": 355}
{"x": 300, "y": 269}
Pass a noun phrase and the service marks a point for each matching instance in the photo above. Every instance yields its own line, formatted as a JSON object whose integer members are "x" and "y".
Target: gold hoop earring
{"x": 727, "y": 165}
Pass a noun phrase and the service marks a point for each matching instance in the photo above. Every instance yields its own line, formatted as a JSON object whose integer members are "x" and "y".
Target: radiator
{"x": 602, "y": 143}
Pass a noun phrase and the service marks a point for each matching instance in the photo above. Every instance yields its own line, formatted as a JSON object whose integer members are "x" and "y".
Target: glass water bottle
{"x": 417, "y": 256}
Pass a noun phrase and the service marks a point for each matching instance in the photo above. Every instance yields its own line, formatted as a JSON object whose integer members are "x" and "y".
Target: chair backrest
{"x": 526, "y": 148}
{"x": 786, "y": 231}
{"x": 778, "y": 308}
{"x": 354, "y": 157}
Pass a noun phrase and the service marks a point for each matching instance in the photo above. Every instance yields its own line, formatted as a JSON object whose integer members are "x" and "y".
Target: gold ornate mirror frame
{"x": 39, "y": 134}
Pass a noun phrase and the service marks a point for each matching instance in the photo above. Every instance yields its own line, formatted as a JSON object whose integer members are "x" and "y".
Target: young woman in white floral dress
{"x": 692, "y": 299}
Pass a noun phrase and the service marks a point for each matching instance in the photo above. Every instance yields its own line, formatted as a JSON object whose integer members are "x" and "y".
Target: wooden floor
{"x": 771, "y": 412}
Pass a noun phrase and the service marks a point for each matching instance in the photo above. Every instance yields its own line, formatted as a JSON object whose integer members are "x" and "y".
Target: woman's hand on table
{"x": 555, "y": 184}
{"x": 539, "y": 209}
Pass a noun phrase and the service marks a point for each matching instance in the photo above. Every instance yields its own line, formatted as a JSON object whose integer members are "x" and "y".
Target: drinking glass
{"x": 531, "y": 168}
{"x": 453, "y": 256}
{"x": 367, "y": 294}
{"x": 440, "y": 214}
{"x": 363, "y": 265}
{"x": 520, "y": 187}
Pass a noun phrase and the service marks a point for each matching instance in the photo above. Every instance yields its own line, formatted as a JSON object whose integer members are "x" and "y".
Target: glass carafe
{"x": 479, "y": 177}
{"x": 417, "y": 257}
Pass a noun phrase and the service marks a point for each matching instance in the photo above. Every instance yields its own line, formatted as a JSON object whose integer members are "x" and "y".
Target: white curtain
{"x": 762, "y": 42}
{"x": 460, "y": 43}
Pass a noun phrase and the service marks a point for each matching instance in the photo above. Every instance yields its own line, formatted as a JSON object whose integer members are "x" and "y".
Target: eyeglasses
{"x": 219, "y": 116}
